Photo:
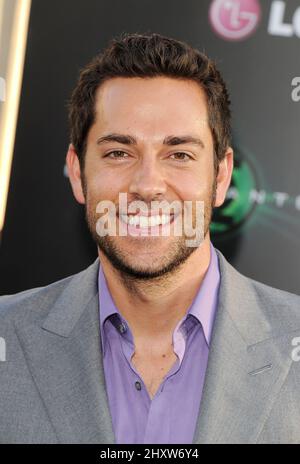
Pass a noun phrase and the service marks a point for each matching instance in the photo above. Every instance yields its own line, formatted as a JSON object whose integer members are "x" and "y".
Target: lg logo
{"x": 238, "y": 19}
{"x": 277, "y": 26}
{"x": 234, "y": 19}
{"x": 2, "y": 89}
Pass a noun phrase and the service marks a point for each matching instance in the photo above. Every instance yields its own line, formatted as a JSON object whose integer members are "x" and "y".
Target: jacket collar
{"x": 247, "y": 365}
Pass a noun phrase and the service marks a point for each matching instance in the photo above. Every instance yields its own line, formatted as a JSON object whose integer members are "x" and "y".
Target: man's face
{"x": 149, "y": 111}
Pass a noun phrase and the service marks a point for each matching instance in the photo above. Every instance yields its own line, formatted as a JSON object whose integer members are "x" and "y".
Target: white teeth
{"x": 165, "y": 219}
{"x": 144, "y": 221}
{"x": 152, "y": 221}
{"x": 133, "y": 221}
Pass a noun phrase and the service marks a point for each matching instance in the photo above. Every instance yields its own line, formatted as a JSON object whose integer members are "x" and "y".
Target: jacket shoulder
{"x": 34, "y": 302}
{"x": 275, "y": 294}
{"x": 281, "y": 308}
{"x": 278, "y": 308}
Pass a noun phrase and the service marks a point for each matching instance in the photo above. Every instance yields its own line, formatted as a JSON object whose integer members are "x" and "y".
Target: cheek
{"x": 102, "y": 185}
{"x": 194, "y": 185}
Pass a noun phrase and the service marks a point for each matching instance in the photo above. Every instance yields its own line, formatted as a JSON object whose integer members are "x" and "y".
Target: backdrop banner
{"x": 256, "y": 45}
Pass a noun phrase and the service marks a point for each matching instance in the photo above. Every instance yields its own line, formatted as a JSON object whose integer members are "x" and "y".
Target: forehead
{"x": 151, "y": 104}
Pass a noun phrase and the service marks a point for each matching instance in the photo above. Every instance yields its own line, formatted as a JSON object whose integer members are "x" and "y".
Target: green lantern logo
{"x": 238, "y": 205}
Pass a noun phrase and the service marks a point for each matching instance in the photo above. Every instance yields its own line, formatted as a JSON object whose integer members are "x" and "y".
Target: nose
{"x": 148, "y": 181}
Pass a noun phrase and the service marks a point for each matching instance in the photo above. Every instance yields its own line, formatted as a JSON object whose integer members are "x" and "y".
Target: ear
{"x": 75, "y": 174}
{"x": 224, "y": 177}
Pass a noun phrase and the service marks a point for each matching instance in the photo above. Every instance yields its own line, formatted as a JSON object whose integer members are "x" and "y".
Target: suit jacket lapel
{"x": 64, "y": 356}
{"x": 246, "y": 367}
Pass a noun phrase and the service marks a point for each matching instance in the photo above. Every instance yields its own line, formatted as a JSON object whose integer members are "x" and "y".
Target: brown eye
{"x": 116, "y": 154}
{"x": 181, "y": 156}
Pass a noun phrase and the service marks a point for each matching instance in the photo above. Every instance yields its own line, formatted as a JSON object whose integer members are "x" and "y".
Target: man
{"x": 159, "y": 340}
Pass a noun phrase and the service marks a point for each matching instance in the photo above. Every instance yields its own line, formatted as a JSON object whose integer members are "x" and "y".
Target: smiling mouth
{"x": 146, "y": 222}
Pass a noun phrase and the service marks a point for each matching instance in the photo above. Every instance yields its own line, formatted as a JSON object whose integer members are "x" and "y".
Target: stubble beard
{"x": 121, "y": 260}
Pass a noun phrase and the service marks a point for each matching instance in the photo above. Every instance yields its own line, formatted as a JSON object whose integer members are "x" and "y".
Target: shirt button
{"x": 122, "y": 328}
{"x": 138, "y": 385}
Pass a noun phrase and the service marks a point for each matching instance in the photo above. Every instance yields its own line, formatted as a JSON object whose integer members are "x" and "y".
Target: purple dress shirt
{"x": 170, "y": 417}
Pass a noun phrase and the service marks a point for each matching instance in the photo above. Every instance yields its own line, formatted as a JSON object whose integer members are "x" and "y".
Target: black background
{"x": 45, "y": 237}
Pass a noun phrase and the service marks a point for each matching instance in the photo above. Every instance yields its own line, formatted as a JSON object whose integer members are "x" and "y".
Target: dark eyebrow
{"x": 184, "y": 139}
{"x": 120, "y": 138}
{"x": 170, "y": 140}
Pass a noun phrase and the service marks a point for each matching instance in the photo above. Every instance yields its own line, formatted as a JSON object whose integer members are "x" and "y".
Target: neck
{"x": 153, "y": 308}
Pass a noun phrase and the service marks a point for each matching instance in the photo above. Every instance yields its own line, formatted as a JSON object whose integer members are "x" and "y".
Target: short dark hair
{"x": 136, "y": 55}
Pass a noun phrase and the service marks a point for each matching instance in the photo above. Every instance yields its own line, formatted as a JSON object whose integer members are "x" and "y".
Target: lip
{"x": 136, "y": 230}
{"x": 141, "y": 214}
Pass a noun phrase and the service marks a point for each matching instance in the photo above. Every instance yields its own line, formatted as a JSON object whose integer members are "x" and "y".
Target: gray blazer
{"x": 52, "y": 385}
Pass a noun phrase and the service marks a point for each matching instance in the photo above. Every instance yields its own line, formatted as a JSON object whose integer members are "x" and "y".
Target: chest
{"x": 153, "y": 369}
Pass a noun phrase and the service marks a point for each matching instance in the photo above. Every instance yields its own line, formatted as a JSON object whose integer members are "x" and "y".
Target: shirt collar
{"x": 106, "y": 305}
{"x": 203, "y": 307}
